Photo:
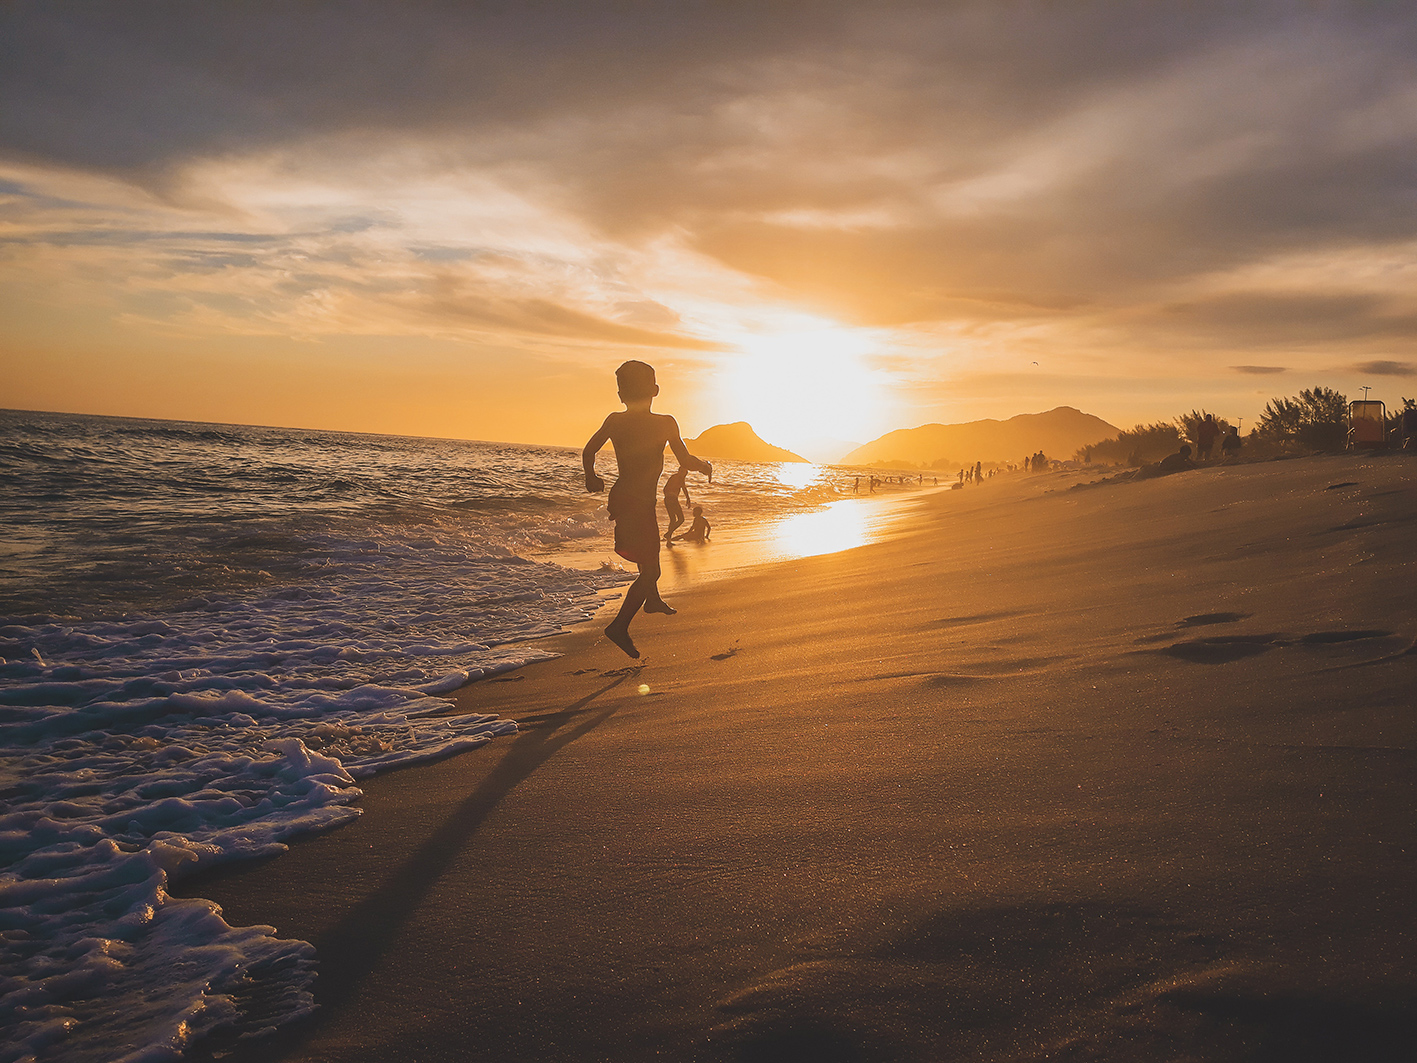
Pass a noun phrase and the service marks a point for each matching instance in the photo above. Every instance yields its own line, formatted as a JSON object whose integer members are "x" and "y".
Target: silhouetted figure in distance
{"x": 639, "y": 437}
{"x": 1230, "y": 445}
{"x": 1206, "y": 433}
{"x": 699, "y": 530}
{"x": 673, "y": 487}
{"x": 1172, "y": 462}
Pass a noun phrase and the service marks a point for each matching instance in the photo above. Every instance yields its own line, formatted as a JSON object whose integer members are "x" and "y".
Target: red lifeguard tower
{"x": 1367, "y": 425}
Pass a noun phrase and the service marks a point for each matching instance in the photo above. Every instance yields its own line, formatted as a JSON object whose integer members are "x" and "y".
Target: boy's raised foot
{"x": 659, "y": 605}
{"x": 620, "y": 635}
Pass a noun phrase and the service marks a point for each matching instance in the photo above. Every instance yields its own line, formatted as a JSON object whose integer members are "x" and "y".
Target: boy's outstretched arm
{"x": 593, "y": 482}
{"x": 676, "y": 444}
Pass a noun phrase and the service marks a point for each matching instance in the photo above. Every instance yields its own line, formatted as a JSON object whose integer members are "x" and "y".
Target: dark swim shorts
{"x": 636, "y": 528}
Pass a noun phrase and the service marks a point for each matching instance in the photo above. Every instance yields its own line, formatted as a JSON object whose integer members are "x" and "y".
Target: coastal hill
{"x": 1058, "y": 433}
{"x": 737, "y": 442}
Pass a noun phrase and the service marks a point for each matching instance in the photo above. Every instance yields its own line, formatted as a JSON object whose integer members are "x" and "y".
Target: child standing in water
{"x": 639, "y": 437}
{"x": 673, "y": 488}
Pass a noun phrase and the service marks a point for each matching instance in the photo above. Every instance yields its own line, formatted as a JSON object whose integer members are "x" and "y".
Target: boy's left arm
{"x": 676, "y": 444}
{"x": 593, "y": 482}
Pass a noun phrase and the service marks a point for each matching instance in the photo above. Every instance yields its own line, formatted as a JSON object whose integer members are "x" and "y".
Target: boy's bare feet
{"x": 659, "y": 605}
{"x": 621, "y": 637}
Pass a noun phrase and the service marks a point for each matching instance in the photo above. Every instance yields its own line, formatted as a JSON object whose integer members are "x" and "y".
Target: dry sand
{"x": 1113, "y": 773}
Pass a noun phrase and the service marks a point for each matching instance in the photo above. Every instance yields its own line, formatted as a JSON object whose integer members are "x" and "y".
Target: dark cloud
{"x": 1259, "y": 370}
{"x": 124, "y": 85}
{"x": 1382, "y": 367}
{"x": 1258, "y": 319}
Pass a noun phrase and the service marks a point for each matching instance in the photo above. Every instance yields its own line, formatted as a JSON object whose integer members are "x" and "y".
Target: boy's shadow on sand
{"x": 350, "y": 950}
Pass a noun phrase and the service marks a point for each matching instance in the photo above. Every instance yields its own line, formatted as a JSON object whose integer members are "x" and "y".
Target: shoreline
{"x": 1049, "y": 772}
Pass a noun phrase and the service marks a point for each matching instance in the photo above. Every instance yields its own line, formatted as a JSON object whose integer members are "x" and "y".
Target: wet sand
{"x": 1121, "y": 772}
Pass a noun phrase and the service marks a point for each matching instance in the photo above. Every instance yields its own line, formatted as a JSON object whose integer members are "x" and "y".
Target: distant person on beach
{"x": 1206, "y": 433}
{"x": 979, "y": 472}
{"x": 673, "y": 488}
{"x": 699, "y": 530}
{"x": 639, "y": 437}
{"x": 1177, "y": 462}
{"x": 1230, "y": 445}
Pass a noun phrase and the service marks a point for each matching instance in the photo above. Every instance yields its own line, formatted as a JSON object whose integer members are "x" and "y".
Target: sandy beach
{"x": 1046, "y": 773}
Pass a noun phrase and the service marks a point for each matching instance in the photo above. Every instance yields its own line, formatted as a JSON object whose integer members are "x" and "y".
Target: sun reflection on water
{"x": 840, "y": 526}
{"x": 797, "y": 474}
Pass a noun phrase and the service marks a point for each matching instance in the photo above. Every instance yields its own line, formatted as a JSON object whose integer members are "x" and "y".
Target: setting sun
{"x": 805, "y": 382}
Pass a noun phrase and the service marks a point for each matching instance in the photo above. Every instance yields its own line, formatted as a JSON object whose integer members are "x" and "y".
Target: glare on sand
{"x": 840, "y": 526}
{"x": 804, "y": 382}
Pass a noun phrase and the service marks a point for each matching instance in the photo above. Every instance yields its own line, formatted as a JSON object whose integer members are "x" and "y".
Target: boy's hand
{"x": 593, "y": 483}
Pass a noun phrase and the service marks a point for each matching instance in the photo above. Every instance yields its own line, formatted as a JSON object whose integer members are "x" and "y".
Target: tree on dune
{"x": 1315, "y": 419}
{"x": 1137, "y": 446}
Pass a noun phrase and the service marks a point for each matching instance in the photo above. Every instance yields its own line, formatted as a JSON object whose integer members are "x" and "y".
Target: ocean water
{"x": 208, "y": 634}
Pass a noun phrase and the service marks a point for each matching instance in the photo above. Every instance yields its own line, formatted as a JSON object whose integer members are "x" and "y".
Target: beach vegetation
{"x": 1314, "y": 420}
{"x": 1135, "y": 446}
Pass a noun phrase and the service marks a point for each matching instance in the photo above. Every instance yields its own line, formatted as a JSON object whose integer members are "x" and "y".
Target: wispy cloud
{"x": 1383, "y": 367}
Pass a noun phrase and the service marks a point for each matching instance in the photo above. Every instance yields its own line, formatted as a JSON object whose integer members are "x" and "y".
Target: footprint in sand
{"x": 977, "y": 618}
{"x": 1222, "y": 649}
{"x": 1324, "y": 638}
{"x": 1206, "y": 619}
{"x": 974, "y": 672}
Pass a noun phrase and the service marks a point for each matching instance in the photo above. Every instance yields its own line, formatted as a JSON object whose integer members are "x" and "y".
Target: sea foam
{"x": 139, "y": 750}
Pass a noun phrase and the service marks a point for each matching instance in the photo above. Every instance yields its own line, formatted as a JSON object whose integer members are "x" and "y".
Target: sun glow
{"x": 804, "y": 383}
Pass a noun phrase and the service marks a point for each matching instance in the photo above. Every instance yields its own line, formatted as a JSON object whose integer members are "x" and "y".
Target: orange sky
{"x": 831, "y": 221}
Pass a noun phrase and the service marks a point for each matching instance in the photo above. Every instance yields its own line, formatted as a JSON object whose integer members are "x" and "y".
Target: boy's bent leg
{"x": 649, "y": 572}
{"x": 618, "y": 631}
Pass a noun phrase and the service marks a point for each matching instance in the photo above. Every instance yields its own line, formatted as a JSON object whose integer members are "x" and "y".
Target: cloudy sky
{"x": 827, "y": 219}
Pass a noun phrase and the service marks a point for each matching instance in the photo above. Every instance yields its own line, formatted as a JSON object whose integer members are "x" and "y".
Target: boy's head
{"x": 698, "y": 511}
{"x": 636, "y": 381}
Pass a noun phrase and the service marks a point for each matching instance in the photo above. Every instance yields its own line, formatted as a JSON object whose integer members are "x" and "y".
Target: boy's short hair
{"x": 636, "y": 380}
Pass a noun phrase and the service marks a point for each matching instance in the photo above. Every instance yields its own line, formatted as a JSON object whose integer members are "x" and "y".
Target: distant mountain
{"x": 737, "y": 442}
{"x": 1058, "y": 433}
{"x": 825, "y": 450}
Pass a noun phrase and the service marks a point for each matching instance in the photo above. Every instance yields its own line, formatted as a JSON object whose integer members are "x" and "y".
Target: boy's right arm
{"x": 676, "y": 444}
{"x": 593, "y": 483}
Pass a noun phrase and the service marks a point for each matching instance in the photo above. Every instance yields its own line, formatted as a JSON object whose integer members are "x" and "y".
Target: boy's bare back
{"x": 639, "y": 439}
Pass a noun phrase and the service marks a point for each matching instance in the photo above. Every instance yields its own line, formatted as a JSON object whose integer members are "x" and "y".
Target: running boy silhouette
{"x": 639, "y": 437}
